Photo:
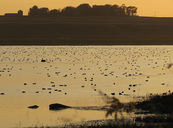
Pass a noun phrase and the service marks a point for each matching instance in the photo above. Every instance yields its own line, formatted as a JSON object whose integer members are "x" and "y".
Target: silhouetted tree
{"x": 131, "y": 10}
{"x": 43, "y": 11}
{"x": 38, "y": 11}
{"x": 114, "y": 10}
{"x": 134, "y": 11}
{"x": 84, "y": 9}
{"x": 54, "y": 12}
{"x": 122, "y": 10}
{"x": 98, "y": 10}
{"x": 34, "y": 11}
{"x": 107, "y": 9}
{"x": 68, "y": 10}
{"x": 128, "y": 10}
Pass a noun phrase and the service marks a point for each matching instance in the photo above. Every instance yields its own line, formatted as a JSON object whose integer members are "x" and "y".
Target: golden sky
{"x": 159, "y": 8}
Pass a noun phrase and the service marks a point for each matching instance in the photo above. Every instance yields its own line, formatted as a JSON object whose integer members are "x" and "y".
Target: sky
{"x": 151, "y": 8}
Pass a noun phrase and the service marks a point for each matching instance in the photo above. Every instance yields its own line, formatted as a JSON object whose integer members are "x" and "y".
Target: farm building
{"x": 20, "y": 13}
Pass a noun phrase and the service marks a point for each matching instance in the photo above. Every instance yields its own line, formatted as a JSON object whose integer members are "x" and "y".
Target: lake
{"x": 73, "y": 76}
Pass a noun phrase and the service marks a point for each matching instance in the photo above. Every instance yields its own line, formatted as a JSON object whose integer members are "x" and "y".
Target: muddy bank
{"x": 160, "y": 115}
{"x": 157, "y": 104}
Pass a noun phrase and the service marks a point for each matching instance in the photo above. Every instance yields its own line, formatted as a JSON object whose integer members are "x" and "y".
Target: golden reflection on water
{"x": 81, "y": 72}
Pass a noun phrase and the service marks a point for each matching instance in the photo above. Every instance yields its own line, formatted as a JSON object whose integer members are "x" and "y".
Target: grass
{"x": 162, "y": 118}
{"x": 157, "y": 104}
{"x": 118, "y": 125}
{"x": 85, "y": 30}
{"x": 155, "y": 119}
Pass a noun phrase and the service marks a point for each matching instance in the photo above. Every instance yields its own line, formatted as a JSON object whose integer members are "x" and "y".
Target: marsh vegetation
{"x": 159, "y": 118}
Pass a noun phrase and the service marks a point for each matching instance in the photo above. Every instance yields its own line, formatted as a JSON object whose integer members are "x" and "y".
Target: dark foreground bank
{"x": 85, "y": 31}
{"x": 160, "y": 108}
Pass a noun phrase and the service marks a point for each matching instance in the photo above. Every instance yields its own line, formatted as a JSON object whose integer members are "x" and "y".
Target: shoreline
{"x": 159, "y": 119}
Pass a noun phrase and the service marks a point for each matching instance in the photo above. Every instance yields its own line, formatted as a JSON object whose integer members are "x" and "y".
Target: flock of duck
{"x": 84, "y": 67}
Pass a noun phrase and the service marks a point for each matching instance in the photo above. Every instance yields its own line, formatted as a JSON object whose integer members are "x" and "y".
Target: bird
{"x": 169, "y": 65}
{"x": 43, "y": 60}
{"x": 120, "y": 93}
{"x": 43, "y": 88}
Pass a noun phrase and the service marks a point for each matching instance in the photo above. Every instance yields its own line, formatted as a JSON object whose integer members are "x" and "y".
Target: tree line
{"x": 87, "y": 10}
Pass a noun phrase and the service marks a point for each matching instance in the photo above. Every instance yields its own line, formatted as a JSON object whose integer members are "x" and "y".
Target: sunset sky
{"x": 159, "y": 8}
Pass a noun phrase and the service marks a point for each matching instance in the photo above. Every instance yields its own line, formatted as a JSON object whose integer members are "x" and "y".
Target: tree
{"x": 114, "y": 10}
{"x": 131, "y": 10}
{"x": 54, "y": 12}
{"x": 122, "y": 10}
{"x": 134, "y": 11}
{"x": 43, "y": 11}
{"x": 84, "y": 9}
{"x": 34, "y": 11}
{"x": 68, "y": 10}
{"x": 98, "y": 10}
{"x": 38, "y": 11}
{"x": 107, "y": 9}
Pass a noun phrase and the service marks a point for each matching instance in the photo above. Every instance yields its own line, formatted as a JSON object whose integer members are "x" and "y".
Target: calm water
{"x": 73, "y": 76}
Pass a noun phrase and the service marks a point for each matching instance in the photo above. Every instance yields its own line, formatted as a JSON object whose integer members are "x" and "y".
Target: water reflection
{"x": 42, "y": 75}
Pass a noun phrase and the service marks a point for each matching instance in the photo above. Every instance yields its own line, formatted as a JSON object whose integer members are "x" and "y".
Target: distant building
{"x": 20, "y": 13}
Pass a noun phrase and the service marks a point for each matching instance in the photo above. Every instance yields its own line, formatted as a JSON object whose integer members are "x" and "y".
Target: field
{"x": 85, "y": 31}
